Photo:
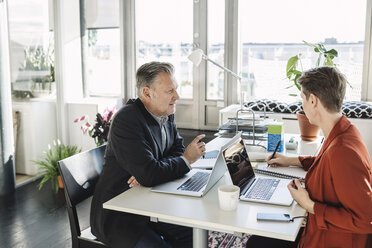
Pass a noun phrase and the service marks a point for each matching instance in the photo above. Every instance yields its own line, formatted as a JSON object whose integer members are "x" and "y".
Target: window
{"x": 31, "y": 49}
{"x": 164, "y": 32}
{"x": 102, "y": 61}
{"x": 270, "y": 37}
{"x": 216, "y": 49}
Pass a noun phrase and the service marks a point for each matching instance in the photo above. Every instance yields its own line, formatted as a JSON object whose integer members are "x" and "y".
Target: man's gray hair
{"x": 147, "y": 73}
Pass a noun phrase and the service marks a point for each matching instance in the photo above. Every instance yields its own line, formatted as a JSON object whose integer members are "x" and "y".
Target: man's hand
{"x": 195, "y": 149}
{"x": 133, "y": 182}
{"x": 300, "y": 195}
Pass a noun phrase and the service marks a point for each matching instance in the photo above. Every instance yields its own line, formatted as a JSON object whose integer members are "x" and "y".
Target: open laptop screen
{"x": 238, "y": 164}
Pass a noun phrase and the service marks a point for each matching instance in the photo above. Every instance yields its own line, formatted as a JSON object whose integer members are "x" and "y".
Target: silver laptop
{"x": 209, "y": 159}
{"x": 254, "y": 188}
{"x": 198, "y": 182}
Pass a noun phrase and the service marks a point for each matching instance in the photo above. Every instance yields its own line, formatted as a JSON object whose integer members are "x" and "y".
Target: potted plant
{"x": 100, "y": 129}
{"x": 294, "y": 71}
{"x": 49, "y": 163}
{"x": 36, "y": 75}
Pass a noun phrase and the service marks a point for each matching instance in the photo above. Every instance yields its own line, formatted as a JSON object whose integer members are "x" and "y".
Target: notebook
{"x": 290, "y": 172}
{"x": 254, "y": 188}
{"x": 198, "y": 181}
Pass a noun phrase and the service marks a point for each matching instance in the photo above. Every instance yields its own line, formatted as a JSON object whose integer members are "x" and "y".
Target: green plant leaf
{"x": 309, "y": 44}
{"x": 298, "y": 86}
{"x": 293, "y": 74}
{"x": 49, "y": 163}
{"x": 321, "y": 48}
{"x": 292, "y": 66}
{"x": 333, "y": 52}
{"x": 318, "y": 60}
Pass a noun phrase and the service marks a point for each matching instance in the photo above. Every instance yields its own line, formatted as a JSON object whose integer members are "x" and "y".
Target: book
{"x": 290, "y": 172}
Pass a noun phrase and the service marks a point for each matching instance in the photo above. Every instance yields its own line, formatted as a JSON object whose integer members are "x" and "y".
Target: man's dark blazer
{"x": 134, "y": 148}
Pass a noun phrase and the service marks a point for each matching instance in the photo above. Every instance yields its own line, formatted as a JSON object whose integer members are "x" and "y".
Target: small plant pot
{"x": 60, "y": 183}
{"x": 309, "y": 132}
{"x": 39, "y": 90}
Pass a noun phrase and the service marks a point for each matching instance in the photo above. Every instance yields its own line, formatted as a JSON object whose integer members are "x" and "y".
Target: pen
{"x": 302, "y": 183}
{"x": 293, "y": 181}
{"x": 276, "y": 148}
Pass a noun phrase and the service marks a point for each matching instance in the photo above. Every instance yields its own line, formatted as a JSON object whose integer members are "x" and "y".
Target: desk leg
{"x": 200, "y": 238}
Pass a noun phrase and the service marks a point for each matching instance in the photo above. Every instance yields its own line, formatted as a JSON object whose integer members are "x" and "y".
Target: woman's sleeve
{"x": 352, "y": 184}
{"x": 306, "y": 161}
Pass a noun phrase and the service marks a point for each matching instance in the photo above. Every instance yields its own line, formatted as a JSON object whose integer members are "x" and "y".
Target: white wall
{"x": 37, "y": 130}
{"x": 87, "y": 107}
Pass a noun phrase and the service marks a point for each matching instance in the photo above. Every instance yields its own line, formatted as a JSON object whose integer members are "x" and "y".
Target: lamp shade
{"x": 196, "y": 57}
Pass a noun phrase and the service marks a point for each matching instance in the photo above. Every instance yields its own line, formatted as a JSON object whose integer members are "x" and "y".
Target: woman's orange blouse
{"x": 339, "y": 182}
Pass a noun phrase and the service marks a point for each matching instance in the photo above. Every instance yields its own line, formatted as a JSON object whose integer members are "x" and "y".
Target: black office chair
{"x": 80, "y": 174}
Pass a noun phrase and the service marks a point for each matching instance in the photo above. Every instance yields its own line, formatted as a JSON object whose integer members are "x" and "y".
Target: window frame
{"x": 84, "y": 29}
{"x": 232, "y": 55}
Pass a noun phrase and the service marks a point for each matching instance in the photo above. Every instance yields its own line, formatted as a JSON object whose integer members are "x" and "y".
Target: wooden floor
{"x": 33, "y": 218}
{"x": 30, "y": 218}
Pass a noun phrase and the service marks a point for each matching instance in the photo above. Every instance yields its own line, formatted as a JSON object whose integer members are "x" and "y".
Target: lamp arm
{"x": 223, "y": 68}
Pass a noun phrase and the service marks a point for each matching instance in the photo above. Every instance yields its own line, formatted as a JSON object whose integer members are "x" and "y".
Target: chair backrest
{"x": 80, "y": 174}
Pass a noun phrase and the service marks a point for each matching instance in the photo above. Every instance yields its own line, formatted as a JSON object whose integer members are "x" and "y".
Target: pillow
{"x": 357, "y": 110}
{"x": 352, "y": 109}
{"x": 274, "y": 106}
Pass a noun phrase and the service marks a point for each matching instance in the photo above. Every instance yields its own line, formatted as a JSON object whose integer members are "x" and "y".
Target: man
{"x": 337, "y": 192}
{"x": 143, "y": 147}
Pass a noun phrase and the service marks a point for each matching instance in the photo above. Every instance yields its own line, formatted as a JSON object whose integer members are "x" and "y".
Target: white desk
{"x": 204, "y": 213}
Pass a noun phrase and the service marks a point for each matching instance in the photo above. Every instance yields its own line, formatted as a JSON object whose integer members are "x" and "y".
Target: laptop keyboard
{"x": 196, "y": 182}
{"x": 263, "y": 189}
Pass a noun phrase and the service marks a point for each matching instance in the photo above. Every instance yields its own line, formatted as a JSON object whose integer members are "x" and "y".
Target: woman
{"x": 337, "y": 192}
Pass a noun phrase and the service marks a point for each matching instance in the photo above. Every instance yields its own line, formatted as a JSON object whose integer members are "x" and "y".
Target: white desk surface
{"x": 204, "y": 212}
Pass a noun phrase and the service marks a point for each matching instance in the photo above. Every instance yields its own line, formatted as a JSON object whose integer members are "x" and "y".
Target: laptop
{"x": 207, "y": 161}
{"x": 254, "y": 188}
{"x": 197, "y": 182}
{"x": 212, "y": 149}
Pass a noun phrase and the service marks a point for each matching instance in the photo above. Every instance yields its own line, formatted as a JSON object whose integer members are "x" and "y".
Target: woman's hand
{"x": 281, "y": 160}
{"x": 300, "y": 195}
{"x": 278, "y": 160}
{"x": 133, "y": 182}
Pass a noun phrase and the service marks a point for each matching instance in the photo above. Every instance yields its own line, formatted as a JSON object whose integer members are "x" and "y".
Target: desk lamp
{"x": 196, "y": 57}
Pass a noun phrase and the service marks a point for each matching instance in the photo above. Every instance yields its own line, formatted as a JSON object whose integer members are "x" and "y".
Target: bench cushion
{"x": 351, "y": 109}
